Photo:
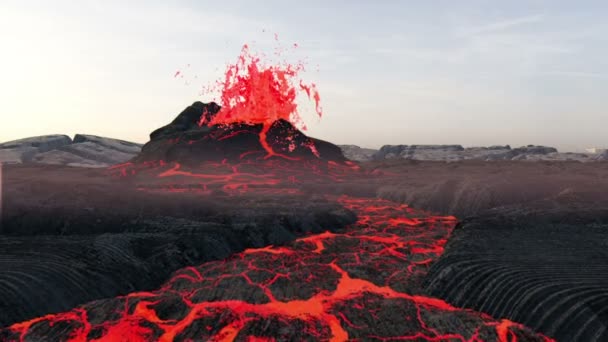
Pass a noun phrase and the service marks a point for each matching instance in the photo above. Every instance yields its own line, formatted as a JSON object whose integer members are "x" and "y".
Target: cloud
{"x": 576, "y": 74}
{"x": 501, "y": 25}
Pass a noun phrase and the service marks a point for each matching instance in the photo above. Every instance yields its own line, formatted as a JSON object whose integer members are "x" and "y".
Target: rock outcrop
{"x": 356, "y": 153}
{"x": 451, "y": 153}
{"x": 555, "y": 156}
{"x": 187, "y": 120}
{"x": 83, "y": 151}
{"x": 23, "y": 150}
{"x": 602, "y": 156}
{"x": 419, "y": 152}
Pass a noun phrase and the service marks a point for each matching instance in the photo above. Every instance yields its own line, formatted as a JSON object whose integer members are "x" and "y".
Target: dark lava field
{"x": 291, "y": 251}
{"x": 256, "y": 232}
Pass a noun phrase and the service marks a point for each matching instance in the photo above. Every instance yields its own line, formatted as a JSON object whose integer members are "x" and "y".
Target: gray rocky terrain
{"x": 82, "y": 151}
{"x": 23, "y": 150}
{"x": 356, "y": 153}
{"x": 94, "y": 151}
{"x": 602, "y": 156}
{"x": 451, "y": 153}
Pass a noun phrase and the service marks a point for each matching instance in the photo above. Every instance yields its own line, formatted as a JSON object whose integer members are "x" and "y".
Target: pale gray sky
{"x": 390, "y": 72}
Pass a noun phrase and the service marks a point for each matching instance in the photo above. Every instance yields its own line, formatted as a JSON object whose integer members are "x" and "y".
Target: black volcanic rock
{"x": 338, "y": 287}
{"x": 184, "y": 141}
{"x": 542, "y": 264}
{"x": 186, "y": 120}
{"x": 73, "y": 235}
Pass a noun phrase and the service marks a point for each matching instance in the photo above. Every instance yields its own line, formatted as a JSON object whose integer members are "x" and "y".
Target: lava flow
{"x": 343, "y": 286}
{"x": 274, "y": 176}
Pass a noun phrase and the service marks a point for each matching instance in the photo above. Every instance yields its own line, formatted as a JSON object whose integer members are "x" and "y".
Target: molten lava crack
{"x": 325, "y": 287}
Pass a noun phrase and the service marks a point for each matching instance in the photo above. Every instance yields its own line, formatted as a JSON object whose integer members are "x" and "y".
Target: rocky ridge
{"x": 95, "y": 151}
{"x": 451, "y": 153}
{"x": 82, "y": 151}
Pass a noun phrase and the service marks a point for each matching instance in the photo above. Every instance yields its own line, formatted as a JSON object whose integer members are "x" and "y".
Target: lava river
{"x": 352, "y": 285}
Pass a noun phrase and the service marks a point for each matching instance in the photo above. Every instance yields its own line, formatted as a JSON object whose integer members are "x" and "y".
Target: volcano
{"x": 190, "y": 139}
{"x": 230, "y": 225}
{"x": 259, "y": 120}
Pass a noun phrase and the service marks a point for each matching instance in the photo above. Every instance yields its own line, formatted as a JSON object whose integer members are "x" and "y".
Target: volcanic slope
{"x": 186, "y": 141}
